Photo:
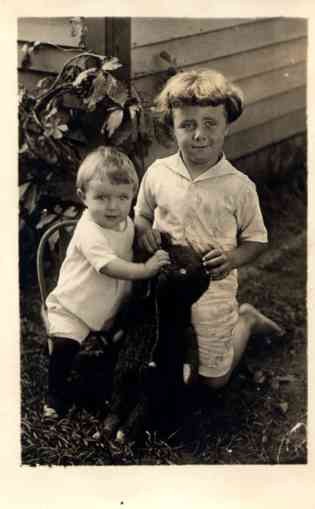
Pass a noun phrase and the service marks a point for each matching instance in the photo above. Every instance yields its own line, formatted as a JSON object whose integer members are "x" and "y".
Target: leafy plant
{"x": 62, "y": 119}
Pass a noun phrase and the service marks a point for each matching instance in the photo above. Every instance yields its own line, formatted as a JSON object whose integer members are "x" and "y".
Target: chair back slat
{"x": 64, "y": 238}
{"x": 61, "y": 233}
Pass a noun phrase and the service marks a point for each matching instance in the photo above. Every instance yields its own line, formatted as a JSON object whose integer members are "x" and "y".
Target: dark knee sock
{"x": 60, "y": 363}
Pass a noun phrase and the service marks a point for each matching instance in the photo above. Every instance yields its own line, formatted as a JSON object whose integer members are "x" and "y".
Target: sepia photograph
{"x": 157, "y": 283}
{"x": 162, "y": 172}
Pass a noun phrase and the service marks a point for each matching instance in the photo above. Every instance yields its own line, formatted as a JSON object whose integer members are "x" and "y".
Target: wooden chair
{"x": 50, "y": 255}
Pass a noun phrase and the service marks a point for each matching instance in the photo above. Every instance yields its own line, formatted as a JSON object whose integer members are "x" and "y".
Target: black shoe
{"x": 55, "y": 407}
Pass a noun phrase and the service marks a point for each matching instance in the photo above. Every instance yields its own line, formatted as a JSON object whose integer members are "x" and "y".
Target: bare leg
{"x": 260, "y": 324}
{"x": 250, "y": 321}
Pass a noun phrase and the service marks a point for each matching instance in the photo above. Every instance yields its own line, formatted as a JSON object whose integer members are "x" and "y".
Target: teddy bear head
{"x": 184, "y": 280}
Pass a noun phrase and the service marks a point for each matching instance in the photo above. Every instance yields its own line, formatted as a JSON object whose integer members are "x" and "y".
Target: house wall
{"x": 61, "y": 39}
{"x": 266, "y": 57}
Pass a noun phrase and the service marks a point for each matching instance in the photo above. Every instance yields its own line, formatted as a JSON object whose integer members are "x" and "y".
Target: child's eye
{"x": 188, "y": 125}
{"x": 124, "y": 197}
{"x": 210, "y": 123}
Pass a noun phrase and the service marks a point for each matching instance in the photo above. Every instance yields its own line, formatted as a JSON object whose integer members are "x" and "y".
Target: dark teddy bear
{"x": 159, "y": 340}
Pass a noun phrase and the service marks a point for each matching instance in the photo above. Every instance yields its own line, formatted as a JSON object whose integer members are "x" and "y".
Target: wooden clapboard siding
{"x": 269, "y": 109}
{"x": 59, "y": 43}
{"x": 265, "y": 84}
{"x": 56, "y": 48}
{"x": 273, "y": 83}
{"x": 62, "y": 32}
{"x": 216, "y": 44}
{"x": 263, "y": 59}
{"x": 162, "y": 29}
{"x": 251, "y": 140}
{"x": 51, "y": 30}
{"x": 239, "y": 66}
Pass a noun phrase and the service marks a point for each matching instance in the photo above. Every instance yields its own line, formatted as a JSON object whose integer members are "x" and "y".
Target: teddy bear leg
{"x": 110, "y": 425}
{"x": 134, "y": 425}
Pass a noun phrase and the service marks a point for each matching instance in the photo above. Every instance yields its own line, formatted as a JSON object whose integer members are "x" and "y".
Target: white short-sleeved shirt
{"x": 81, "y": 289}
{"x": 219, "y": 208}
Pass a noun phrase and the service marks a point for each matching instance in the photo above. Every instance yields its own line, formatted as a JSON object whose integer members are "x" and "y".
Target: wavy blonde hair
{"x": 202, "y": 87}
{"x": 107, "y": 162}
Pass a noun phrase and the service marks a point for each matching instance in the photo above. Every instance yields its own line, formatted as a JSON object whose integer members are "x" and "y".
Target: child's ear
{"x": 81, "y": 195}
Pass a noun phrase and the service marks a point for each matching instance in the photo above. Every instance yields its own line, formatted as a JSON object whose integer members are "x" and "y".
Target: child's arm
{"x": 147, "y": 237}
{"x": 219, "y": 261}
{"x": 121, "y": 269}
{"x": 252, "y": 236}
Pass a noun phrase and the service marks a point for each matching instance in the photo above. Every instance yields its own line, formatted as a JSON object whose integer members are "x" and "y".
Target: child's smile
{"x": 200, "y": 132}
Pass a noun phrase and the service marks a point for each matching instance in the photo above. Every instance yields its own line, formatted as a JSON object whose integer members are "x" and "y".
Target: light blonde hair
{"x": 203, "y": 87}
{"x": 107, "y": 162}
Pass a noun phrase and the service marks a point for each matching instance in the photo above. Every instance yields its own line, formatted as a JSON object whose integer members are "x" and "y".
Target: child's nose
{"x": 112, "y": 203}
{"x": 199, "y": 134}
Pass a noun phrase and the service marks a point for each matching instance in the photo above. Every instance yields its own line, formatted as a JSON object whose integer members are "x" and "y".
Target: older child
{"x": 198, "y": 197}
{"x": 95, "y": 277}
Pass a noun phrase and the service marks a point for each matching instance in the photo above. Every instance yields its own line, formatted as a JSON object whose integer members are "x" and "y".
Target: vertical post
{"x": 118, "y": 43}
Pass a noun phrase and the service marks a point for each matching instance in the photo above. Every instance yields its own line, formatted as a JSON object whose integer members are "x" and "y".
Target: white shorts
{"x": 65, "y": 324}
{"x": 214, "y": 317}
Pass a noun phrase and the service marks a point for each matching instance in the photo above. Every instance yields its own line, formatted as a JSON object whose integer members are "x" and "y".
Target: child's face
{"x": 109, "y": 204}
{"x": 200, "y": 133}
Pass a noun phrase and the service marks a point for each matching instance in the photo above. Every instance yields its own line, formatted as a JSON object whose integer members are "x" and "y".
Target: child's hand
{"x": 150, "y": 240}
{"x": 156, "y": 262}
{"x": 217, "y": 263}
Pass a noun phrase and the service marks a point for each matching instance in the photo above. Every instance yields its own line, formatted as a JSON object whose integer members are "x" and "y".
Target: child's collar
{"x": 222, "y": 167}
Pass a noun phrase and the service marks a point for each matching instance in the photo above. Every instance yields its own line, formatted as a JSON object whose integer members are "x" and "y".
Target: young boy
{"x": 95, "y": 277}
{"x": 200, "y": 199}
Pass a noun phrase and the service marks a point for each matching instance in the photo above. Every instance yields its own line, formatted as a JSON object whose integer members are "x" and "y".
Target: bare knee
{"x": 215, "y": 383}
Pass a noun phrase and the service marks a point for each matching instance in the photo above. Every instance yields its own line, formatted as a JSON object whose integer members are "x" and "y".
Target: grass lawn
{"x": 260, "y": 418}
